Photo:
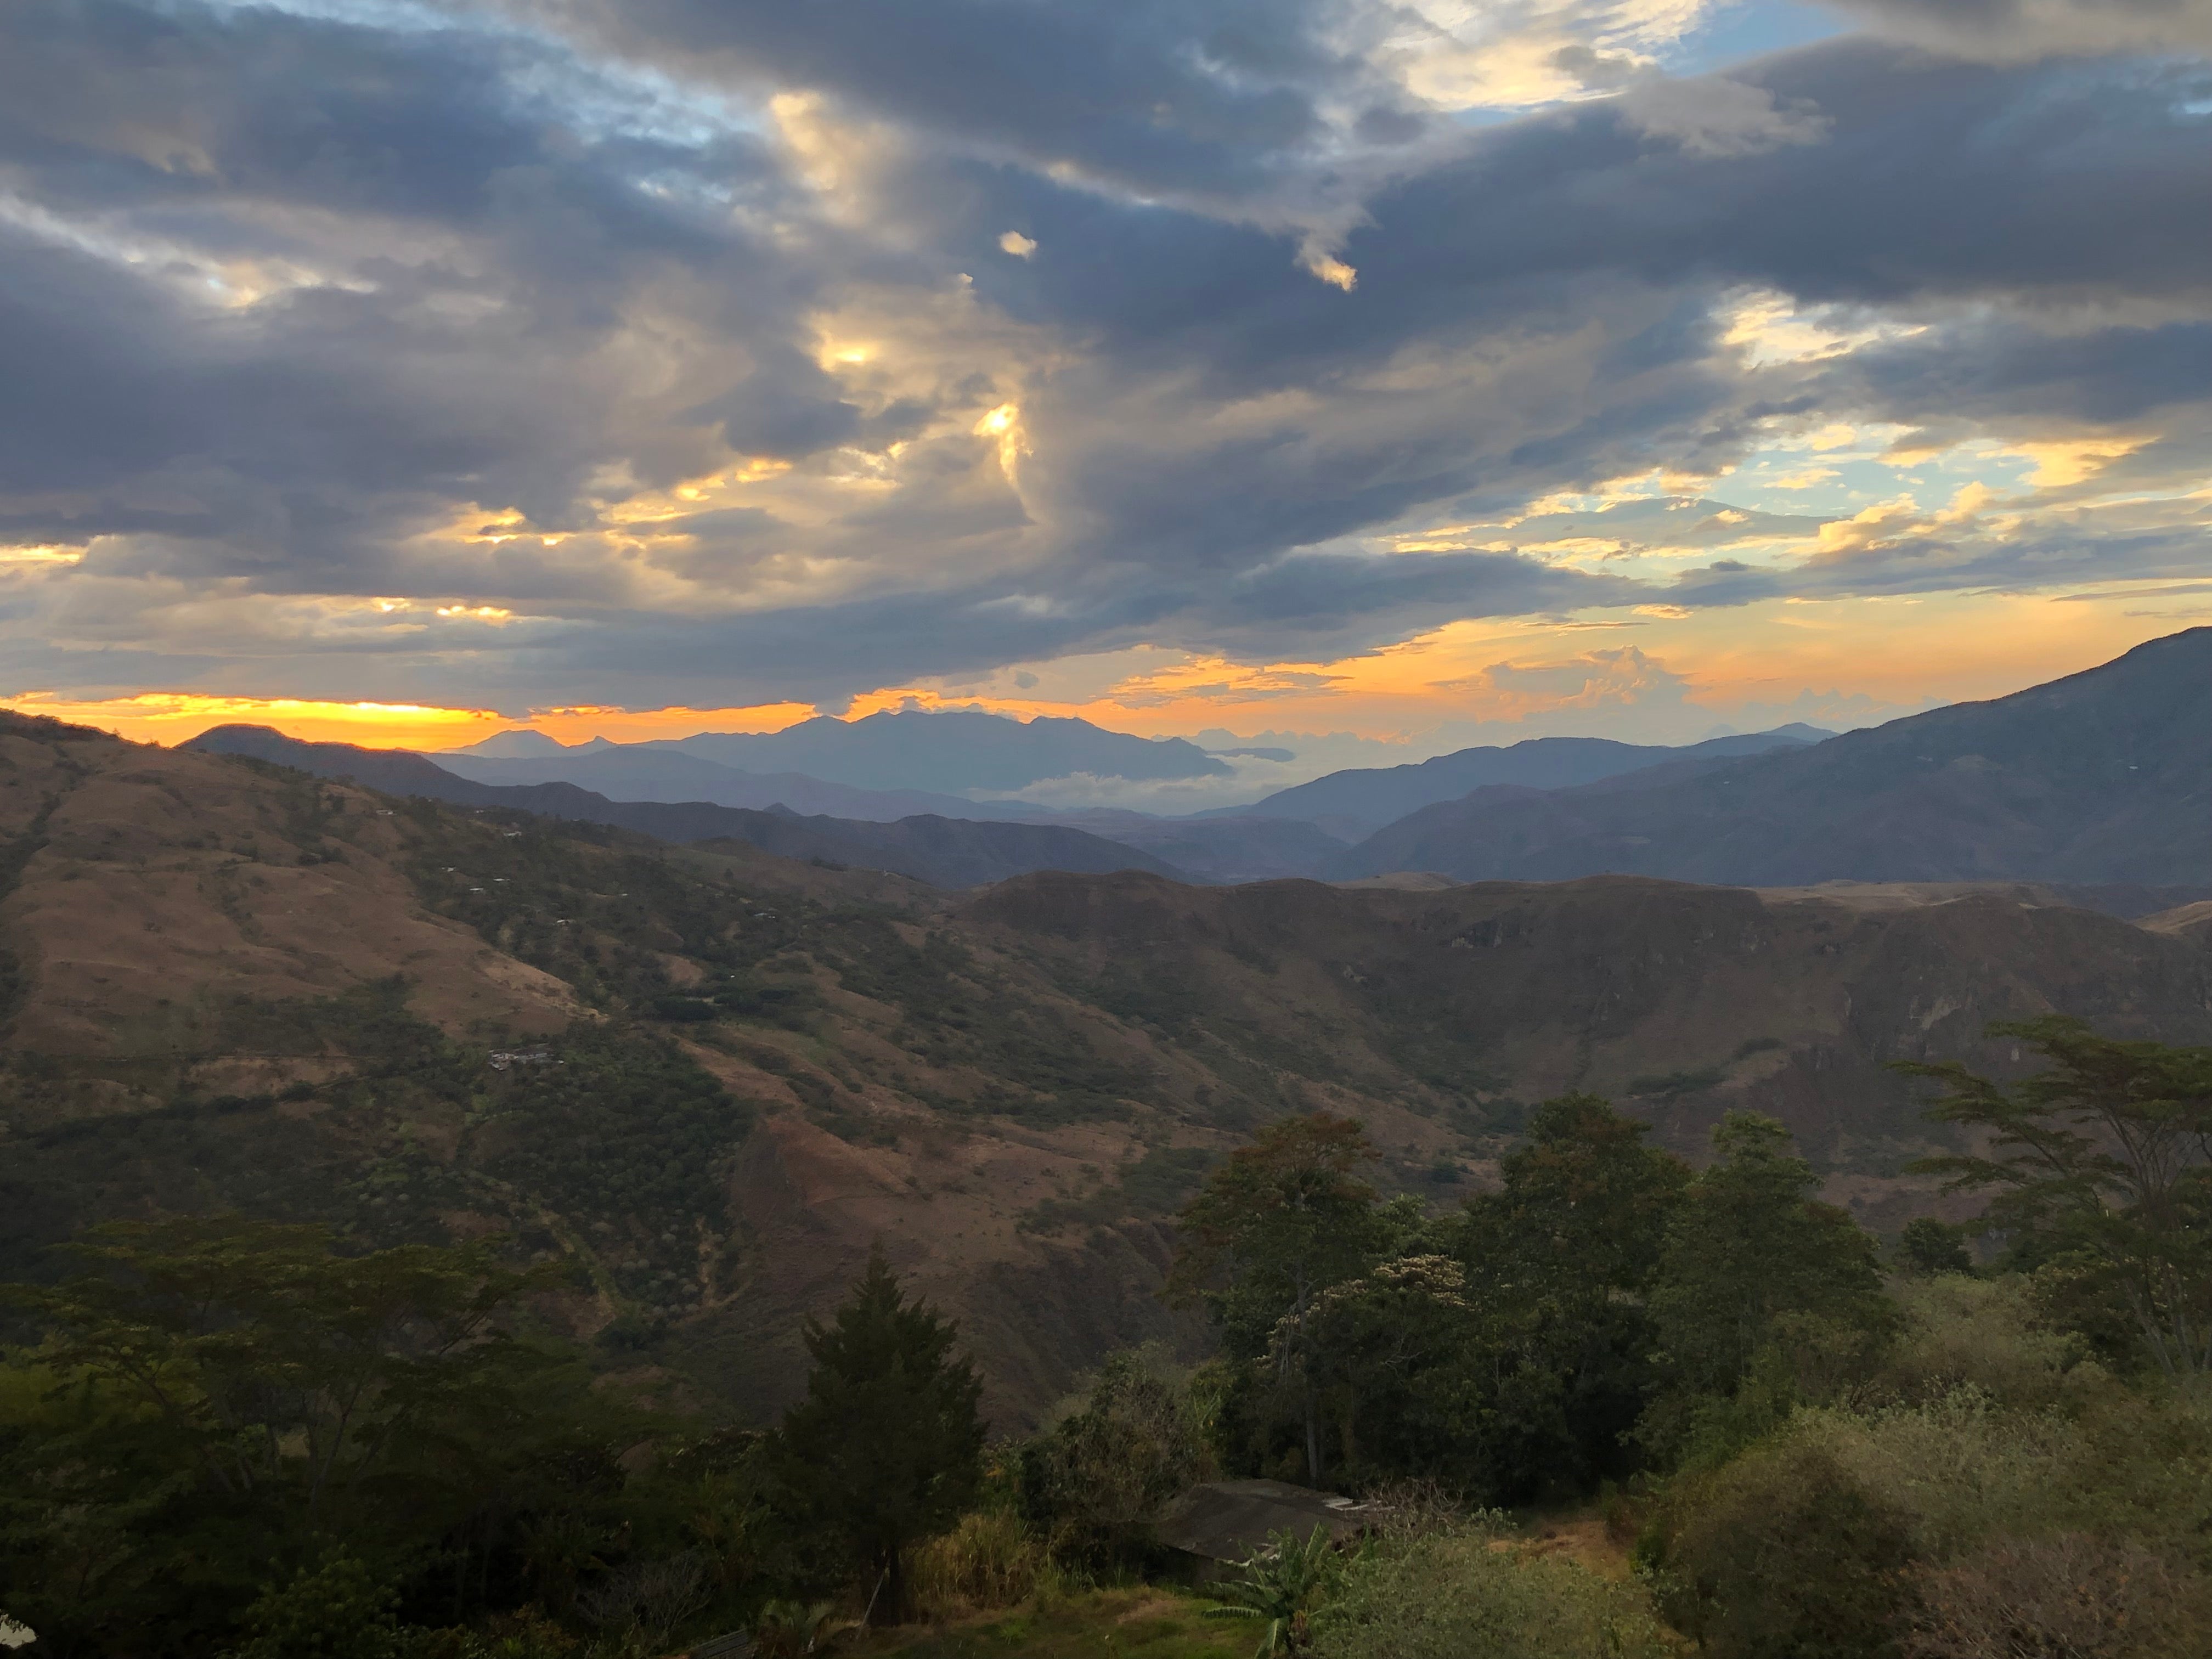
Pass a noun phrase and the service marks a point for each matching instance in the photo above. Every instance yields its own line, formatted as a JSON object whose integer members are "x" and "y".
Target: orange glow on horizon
{"x": 170, "y": 718}
{"x": 1899, "y": 652}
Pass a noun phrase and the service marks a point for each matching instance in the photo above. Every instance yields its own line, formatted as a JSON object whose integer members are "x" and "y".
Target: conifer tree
{"x": 886, "y": 1448}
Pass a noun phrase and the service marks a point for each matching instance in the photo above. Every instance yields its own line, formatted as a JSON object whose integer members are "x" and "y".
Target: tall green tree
{"x": 1583, "y": 1203}
{"x": 1276, "y": 1224}
{"x": 2102, "y": 1167}
{"x": 1559, "y": 1263}
{"x": 1395, "y": 1356}
{"x": 1754, "y": 1265}
{"x": 886, "y": 1449}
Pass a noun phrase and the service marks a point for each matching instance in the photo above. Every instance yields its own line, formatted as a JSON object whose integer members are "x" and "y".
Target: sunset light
{"x": 893, "y": 827}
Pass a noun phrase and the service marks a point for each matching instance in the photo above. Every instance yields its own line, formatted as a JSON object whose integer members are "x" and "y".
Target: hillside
{"x": 1229, "y": 848}
{"x": 1362, "y": 799}
{"x": 944, "y": 851}
{"x": 237, "y": 986}
{"x": 2102, "y": 777}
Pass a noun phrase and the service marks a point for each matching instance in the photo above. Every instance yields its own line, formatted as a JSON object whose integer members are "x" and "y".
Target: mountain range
{"x": 2105, "y": 777}
{"x": 638, "y": 772}
{"x": 232, "y": 984}
{"x": 947, "y": 752}
{"x": 1359, "y": 801}
{"x": 944, "y": 851}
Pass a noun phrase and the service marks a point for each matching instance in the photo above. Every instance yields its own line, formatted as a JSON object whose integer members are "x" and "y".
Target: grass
{"x": 1144, "y": 1623}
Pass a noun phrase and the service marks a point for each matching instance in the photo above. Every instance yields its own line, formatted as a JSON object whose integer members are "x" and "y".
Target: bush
{"x": 1928, "y": 1246}
{"x": 1093, "y": 1484}
{"x": 1984, "y": 1334}
{"x": 987, "y": 1563}
{"x": 1783, "y": 1555}
{"x": 1469, "y": 1594}
{"x": 2069, "y": 1597}
{"x": 1859, "y": 1534}
{"x": 339, "y": 1610}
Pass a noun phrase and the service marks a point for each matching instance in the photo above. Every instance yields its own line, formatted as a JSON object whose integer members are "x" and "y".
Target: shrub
{"x": 2069, "y": 1597}
{"x": 338, "y": 1610}
{"x": 1783, "y": 1555}
{"x": 1855, "y": 1533}
{"x": 1984, "y": 1334}
{"x": 1469, "y": 1594}
{"x": 649, "y": 1598}
{"x": 1094, "y": 1482}
{"x": 1928, "y": 1246}
{"x": 988, "y": 1562}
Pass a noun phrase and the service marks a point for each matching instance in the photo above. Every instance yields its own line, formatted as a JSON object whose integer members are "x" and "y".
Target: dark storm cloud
{"x": 294, "y": 309}
{"x": 2000, "y": 369}
{"x": 1217, "y": 96}
{"x": 470, "y": 258}
{"x": 1933, "y": 178}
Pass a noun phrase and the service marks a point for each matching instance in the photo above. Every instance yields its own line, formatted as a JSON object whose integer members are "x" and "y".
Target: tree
{"x": 1751, "y": 1262}
{"x": 220, "y": 1400}
{"x": 1928, "y": 1247}
{"x": 289, "y": 1370}
{"x": 1390, "y": 1348}
{"x": 1277, "y": 1224}
{"x": 886, "y": 1448}
{"x": 2104, "y": 1168}
{"x": 338, "y": 1611}
{"x": 1559, "y": 1262}
{"x": 1583, "y": 1207}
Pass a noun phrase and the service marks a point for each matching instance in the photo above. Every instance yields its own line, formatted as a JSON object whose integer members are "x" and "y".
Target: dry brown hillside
{"x": 231, "y": 986}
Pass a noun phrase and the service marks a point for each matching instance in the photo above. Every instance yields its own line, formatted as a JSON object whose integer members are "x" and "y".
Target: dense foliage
{"x": 274, "y": 1439}
{"x": 886, "y": 1448}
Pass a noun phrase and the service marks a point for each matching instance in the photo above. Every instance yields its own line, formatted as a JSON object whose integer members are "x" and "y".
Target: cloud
{"x": 1621, "y": 678}
{"x": 647, "y": 351}
{"x": 1715, "y": 117}
{"x": 2009, "y": 31}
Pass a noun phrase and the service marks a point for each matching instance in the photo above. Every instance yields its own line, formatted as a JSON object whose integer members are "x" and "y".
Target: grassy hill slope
{"x": 234, "y": 986}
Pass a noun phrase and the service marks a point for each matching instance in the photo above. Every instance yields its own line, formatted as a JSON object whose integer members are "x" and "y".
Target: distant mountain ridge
{"x": 949, "y": 753}
{"x": 1363, "y": 799}
{"x": 628, "y": 772}
{"x": 2103, "y": 777}
{"x": 943, "y": 852}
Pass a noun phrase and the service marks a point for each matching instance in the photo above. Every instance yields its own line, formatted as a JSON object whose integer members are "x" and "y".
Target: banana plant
{"x": 1281, "y": 1584}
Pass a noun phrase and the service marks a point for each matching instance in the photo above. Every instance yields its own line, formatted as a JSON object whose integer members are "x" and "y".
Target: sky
{"x": 1369, "y": 378}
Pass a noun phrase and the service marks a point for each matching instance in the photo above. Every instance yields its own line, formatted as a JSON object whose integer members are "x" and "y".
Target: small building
{"x": 505, "y": 1058}
{"x": 1223, "y": 1523}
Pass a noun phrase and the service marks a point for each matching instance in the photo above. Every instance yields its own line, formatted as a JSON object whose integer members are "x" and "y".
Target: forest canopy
{"x": 266, "y": 1439}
